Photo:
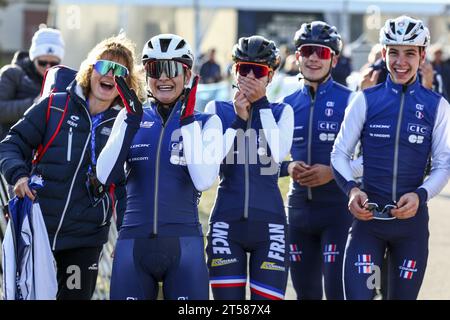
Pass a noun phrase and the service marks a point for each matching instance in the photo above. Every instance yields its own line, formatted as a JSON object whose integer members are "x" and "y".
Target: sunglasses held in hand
{"x": 384, "y": 214}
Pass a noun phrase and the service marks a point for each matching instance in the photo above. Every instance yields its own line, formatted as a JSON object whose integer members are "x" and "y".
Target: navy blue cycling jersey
{"x": 163, "y": 186}
{"x": 399, "y": 128}
{"x": 249, "y": 173}
{"x": 317, "y": 120}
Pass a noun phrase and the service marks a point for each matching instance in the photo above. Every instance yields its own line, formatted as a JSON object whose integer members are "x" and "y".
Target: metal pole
{"x": 197, "y": 27}
{"x": 345, "y": 22}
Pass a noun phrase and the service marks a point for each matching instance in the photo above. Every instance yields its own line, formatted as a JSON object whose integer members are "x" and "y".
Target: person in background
{"x": 342, "y": 70}
{"x": 21, "y": 81}
{"x": 441, "y": 66}
{"x": 210, "y": 70}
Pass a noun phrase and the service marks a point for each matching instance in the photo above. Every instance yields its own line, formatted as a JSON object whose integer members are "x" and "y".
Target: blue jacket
{"x": 163, "y": 187}
{"x": 71, "y": 220}
{"x": 248, "y": 186}
{"x": 399, "y": 127}
{"x": 317, "y": 123}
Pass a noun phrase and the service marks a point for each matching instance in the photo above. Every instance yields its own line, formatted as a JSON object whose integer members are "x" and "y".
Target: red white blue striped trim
{"x": 228, "y": 281}
{"x": 295, "y": 253}
{"x": 266, "y": 291}
{"x": 408, "y": 269}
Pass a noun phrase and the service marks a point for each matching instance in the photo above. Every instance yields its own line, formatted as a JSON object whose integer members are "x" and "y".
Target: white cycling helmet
{"x": 405, "y": 31}
{"x": 168, "y": 47}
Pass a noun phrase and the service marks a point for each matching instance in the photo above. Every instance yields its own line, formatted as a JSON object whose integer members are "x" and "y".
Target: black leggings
{"x": 77, "y": 272}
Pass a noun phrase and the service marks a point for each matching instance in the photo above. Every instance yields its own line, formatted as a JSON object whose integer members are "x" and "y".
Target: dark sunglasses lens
{"x": 44, "y": 63}
{"x": 243, "y": 69}
{"x": 321, "y": 52}
{"x": 259, "y": 71}
{"x": 371, "y": 206}
{"x": 170, "y": 68}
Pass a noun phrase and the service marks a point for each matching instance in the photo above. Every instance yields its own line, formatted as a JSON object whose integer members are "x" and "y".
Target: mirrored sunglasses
{"x": 378, "y": 214}
{"x": 170, "y": 68}
{"x": 322, "y": 52}
{"x": 259, "y": 70}
{"x": 103, "y": 67}
{"x": 44, "y": 63}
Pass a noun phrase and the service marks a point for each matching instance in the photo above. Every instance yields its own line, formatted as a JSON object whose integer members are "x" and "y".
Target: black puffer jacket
{"x": 20, "y": 84}
{"x": 71, "y": 220}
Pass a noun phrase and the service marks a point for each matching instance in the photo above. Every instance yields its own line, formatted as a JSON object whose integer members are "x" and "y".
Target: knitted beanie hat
{"x": 47, "y": 41}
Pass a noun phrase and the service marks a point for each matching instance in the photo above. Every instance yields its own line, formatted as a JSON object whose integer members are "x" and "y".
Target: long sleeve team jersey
{"x": 400, "y": 127}
{"x": 253, "y": 151}
{"x": 167, "y": 168}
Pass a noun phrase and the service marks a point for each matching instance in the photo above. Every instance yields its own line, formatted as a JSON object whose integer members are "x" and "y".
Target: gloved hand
{"x": 128, "y": 96}
{"x": 187, "y": 109}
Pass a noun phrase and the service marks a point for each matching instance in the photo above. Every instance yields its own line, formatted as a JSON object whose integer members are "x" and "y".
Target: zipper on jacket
{"x": 69, "y": 145}
{"x": 73, "y": 181}
{"x": 246, "y": 165}
{"x": 105, "y": 210}
{"x": 397, "y": 140}
{"x": 309, "y": 147}
{"x": 158, "y": 156}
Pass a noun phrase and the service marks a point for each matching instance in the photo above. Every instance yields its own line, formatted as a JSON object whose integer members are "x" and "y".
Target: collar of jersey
{"x": 321, "y": 89}
{"x": 396, "y": 88}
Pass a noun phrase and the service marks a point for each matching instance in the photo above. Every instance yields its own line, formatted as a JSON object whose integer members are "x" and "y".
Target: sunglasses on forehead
{"x": 259, "y": 70}
{"x": 44, "y": 63}
{"x": 103, "y": 67}
{"x": 322, "y": 52}
{"x": 170, "y": 68}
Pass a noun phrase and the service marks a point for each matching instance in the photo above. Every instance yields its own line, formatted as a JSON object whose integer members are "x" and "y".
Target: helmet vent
{"x": 164, "y": 44}
{"x": 410, "y": 27}
{"x": 393, "y": 27}
{"x": 180, "y": 44}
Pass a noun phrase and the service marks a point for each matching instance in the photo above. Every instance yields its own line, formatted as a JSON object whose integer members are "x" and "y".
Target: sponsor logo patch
{"x": 222, "y": 262}
{"x": 266, "y": 265}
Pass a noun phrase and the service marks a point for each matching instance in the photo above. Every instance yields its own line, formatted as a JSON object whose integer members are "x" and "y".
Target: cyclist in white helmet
{"x": 170, "y": 160}
{"x": 400, "y": 124}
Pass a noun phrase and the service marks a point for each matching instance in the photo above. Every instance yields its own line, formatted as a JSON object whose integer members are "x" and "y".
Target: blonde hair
{"x": 116, "y": 47}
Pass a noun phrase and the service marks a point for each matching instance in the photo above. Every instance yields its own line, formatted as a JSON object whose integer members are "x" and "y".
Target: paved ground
{"x": 436, "y": 284}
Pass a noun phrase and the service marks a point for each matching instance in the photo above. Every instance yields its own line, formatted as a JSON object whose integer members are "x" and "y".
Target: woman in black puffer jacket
{"x": 77, "y": 224}
{"x": 20, "y": 81}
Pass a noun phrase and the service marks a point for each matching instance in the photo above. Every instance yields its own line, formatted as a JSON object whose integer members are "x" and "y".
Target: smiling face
{"x": 102, "y": 86}
{"x": 403, "y": 62}
{"x": 167, "y": 90}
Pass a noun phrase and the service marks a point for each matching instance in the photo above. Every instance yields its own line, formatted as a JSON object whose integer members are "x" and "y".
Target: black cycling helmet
{"x": 318, "y": 32}
{"x": 257, "y": 49}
